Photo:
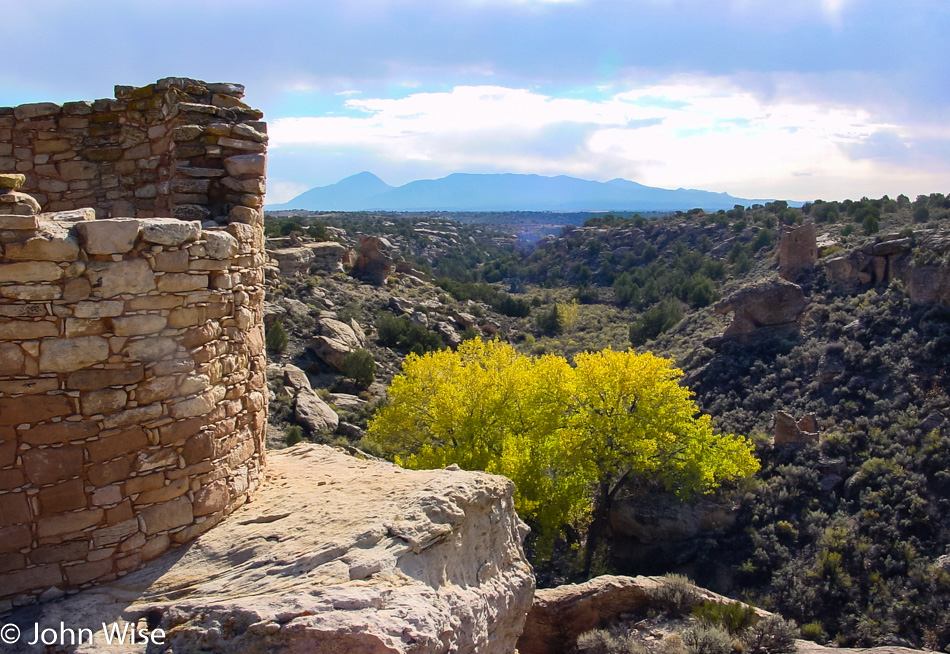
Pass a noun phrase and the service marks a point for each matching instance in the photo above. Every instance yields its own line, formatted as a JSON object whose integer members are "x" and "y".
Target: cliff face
{"x": 335, "y": 554}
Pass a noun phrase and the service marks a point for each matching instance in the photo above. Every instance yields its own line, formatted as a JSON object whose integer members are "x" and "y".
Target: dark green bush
{"x": 276, "y": 339}
{"x": 406, "y": 335}
{"x": 359, "y": 366}
{"x": 294, "y": 435}
{"x": 662, "y": 317}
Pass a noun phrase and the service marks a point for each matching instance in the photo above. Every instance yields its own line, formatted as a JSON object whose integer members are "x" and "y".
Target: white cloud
{"x": 698, "y": 132}
{"x": 278, "y": 191}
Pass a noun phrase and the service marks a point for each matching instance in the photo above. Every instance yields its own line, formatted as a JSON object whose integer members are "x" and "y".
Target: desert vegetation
{"x": 845, "y": 536}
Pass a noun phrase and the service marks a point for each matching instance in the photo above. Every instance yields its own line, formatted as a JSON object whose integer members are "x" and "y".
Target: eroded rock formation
{"x": 336, "y": 340}
{"x": 374, "y": 260}
{"x": 768, "y": 305}
{"x": 415, "y": 561}
{"x": 926, "y": 277}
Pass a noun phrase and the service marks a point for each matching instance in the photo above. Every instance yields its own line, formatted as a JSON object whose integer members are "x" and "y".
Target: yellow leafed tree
{"x": 567, "y": 436}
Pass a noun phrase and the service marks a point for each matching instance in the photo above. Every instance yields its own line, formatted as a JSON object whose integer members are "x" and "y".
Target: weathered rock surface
{"x": 314, "y": 414}
{"x": 771, "y": 303}
{"x": 374, "y": 259}
{"x": 416, "y": 561}
{"x": 328, "y": 256}
{"x": 664, "y": 519}
{"x": 336, "y": 340}
{"x": 448, "y": 333}
{"x": 310, "y": 411}
{"x": 559, "y": 615}
{"x": 293, "y": 261}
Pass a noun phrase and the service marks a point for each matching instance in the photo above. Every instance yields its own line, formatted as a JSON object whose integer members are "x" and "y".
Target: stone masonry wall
{"x": 178, "y": 147}
{"x": 132, "y": 403}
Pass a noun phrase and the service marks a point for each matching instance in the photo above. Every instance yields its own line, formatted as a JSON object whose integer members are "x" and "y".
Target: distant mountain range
{"x": 504, "y": 192}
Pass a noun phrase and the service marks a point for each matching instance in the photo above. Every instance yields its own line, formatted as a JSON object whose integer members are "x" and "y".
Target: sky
{"x": 798, "y": 100}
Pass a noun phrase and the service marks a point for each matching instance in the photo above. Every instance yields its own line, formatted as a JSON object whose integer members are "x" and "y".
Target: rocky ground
{"x": 335, "y": 554}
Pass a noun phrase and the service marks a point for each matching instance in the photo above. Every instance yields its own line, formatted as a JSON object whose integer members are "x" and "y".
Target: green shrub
{"x": 676, "y": 594}
{"x": 814, "y": 631}
{"x": 551, "y": 322}
{"x": 662, "y": 317}
{"x": 771, "y": 635}
{"x": 390, "y": 329}
{"x": 707, "y": 639}
{"x": 276, "y": 338}
{"x": 294, "y": 435}
{"x": 359, "y": 366}
{"x": 734, "y": 617}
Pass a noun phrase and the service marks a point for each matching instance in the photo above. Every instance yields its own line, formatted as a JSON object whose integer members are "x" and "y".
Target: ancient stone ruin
{"x": 797, "y": 250}
{"x": 926, "y": 276}
{"x": 788, "y": 431}
{"x": 132, "y": 410}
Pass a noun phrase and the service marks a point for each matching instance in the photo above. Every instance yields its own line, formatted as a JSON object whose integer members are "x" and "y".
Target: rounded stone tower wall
{"x": 132, "y": 389}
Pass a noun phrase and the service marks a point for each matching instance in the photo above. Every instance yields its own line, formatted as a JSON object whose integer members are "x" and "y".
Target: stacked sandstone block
{"x": 178, "y": 147}
{"x": 132, "y": 405}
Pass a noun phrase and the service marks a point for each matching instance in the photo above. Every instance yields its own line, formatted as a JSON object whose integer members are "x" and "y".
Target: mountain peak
{"x": 504, "y": 192}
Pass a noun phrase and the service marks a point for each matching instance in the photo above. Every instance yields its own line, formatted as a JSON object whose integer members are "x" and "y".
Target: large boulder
{"x": 770, "y": 303}
{"x": 314, "y": 414}
{"x": 328, "y": 256}
{"x": 310, "y": 411}
{"x": 336, "y": 340}
{"x": 336, "y": 554}
{"x": 448, "y": 333}
{"x": 559, "y": 615}
{"x": 374, "y": 259}
{"x": 293, "y": 262}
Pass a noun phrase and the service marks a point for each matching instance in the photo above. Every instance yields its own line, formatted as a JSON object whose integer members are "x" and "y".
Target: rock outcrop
{"x": 926, "y": 278}
{"x": 416, "y": 561}
{"x": 666, "y": 519}
{"x": 336, "y": 340}
{"x": 294, "y": 261}
{"x": 559, "y": 615}
{"x": 310, "y": 412}
{"x": 768, "y": 305}
{"x": 374, "y": 260}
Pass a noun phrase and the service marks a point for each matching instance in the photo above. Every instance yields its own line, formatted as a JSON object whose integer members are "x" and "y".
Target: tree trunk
{"x": 597, "y": 525}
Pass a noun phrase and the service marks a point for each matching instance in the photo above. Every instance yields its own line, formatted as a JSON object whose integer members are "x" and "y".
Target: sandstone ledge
{"x": 335, "y": 554}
